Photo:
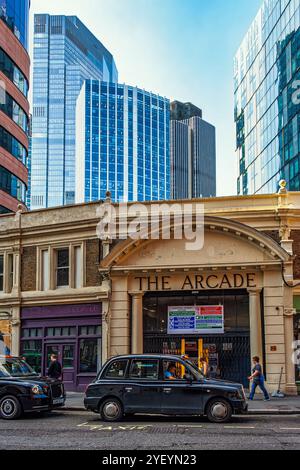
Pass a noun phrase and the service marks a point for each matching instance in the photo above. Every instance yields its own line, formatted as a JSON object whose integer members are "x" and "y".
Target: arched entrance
{"x": 238, "y": 268}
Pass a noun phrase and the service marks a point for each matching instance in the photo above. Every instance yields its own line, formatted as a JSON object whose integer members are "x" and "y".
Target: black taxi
{"x": 160, "y": 384}
{"x": 22, "y": 390}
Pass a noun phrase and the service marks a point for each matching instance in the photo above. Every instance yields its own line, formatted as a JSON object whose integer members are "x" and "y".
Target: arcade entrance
{"x": 228, "y": 354}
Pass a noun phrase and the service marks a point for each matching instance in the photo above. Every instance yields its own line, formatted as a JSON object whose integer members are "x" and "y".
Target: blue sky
{"x": 182, "y": 49}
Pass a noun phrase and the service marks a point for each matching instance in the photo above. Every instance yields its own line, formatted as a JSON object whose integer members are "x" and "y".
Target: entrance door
{"x": 66, "y": 356}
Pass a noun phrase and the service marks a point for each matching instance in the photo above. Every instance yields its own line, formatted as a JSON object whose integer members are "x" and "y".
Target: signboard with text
{"x": 207, "y": 319}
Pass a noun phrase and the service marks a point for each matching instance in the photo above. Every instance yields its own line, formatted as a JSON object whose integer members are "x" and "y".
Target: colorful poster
{"x": 207, "y": 319}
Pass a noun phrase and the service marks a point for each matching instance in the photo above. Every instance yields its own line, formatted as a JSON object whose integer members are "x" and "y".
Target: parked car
{"x": 159, "y": 384}
{"x": 22, "y": 390}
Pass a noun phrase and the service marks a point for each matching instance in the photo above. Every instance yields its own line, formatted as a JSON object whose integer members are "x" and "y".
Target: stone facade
{"x": 250, "y": 243}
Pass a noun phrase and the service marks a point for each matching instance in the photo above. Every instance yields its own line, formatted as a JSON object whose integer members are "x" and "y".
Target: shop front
{"x": 72, "y": 332}
{"x": 224, "y": 303}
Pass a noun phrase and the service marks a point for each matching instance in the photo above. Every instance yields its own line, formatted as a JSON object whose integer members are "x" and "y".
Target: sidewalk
{"x": 277, "y": 406}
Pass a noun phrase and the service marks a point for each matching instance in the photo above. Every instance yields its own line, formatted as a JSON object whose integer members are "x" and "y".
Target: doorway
{"x": 66, "y": 356}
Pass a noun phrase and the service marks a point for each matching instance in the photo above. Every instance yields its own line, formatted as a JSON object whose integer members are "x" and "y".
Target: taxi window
{"x": 144, "y": 369}
{"x": 116, "y": 370}
{"x": 175, "y": 370}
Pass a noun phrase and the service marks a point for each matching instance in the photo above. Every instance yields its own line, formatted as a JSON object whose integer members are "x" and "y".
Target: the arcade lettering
{"x": 196, "y": 282}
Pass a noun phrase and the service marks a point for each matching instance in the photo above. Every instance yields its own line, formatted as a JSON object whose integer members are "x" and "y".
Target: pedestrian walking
{"x": 55, "y": 368}
{"x": 258, "y": 380}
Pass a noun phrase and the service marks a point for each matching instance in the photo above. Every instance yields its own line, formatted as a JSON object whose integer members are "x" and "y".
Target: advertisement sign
{"x": 207, "y": 319}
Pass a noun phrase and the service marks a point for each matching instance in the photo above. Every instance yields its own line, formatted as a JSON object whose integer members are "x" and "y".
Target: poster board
{"x": 203, "y": 320}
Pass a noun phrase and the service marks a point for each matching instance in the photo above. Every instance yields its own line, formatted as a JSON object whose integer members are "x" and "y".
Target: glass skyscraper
{"x": 267, "y": 104}
{"x": 193, "y": 153}
{"x": 65, "y": 54}
{"x": 122, "y": 143}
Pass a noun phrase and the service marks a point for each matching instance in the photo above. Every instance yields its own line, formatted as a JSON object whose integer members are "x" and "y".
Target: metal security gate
{"x": 233, "y": 352}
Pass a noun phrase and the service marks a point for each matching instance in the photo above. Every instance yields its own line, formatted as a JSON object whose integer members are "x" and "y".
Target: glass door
{"x": 66, "y": 356}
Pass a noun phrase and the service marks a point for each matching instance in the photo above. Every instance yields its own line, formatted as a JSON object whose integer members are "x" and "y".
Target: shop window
{"x": 32, "y": 332}
{"x": 144, "y": 370}
{"x": 117, "y": 370}
{"x": 90, "y": 351}
{"x": 62, "y": 267}
{"x": 90, "y": 330}
{"x": 68, "y": 357}
{"x": 61, "y": 331}
{"x": 31, "y": 350}
{"x": 1, "y": 273}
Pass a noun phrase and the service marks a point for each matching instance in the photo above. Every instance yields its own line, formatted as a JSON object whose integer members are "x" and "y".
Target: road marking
{"x": 103, "y": 427}
{"x": 187, "y": 426}
{"x": 239, "y": 427}
{"x": 290, "y": 429}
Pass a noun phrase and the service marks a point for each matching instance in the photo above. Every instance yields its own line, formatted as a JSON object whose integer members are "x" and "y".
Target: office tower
{"x": 122, "y": 143}
{"x": 14, "y": 106}
{"x": 267, "y": 99}
{"x": 193, "y": 153}
{"x": 65, "y": 54}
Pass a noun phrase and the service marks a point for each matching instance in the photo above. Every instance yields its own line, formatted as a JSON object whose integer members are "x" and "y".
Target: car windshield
{"x": 13, "y": 367}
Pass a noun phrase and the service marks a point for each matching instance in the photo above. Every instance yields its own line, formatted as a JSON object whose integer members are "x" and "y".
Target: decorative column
{"x": 256, "y": 341}
{"x": 290, "y": 387}
{"x": 137, "y": 332}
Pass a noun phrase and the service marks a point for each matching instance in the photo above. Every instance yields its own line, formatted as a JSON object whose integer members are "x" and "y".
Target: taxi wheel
{"x": 10, "y": 407}
{"x": 111, "y": 410}
{"x": 219, "y": 411}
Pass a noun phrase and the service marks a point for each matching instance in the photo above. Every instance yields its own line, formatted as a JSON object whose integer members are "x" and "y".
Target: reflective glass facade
{"x": 267, "y": 99}
{"x": 15, "y": 13}
{"x": 14, "y": 117}
{"x": 12, "y": 145}
{"x": 122, "y": 143}
{"x": 9, "y": 68}
{"x": 14, "y": 111}
{"x": 12, "y": 185}
{"x": 65, "y": 53}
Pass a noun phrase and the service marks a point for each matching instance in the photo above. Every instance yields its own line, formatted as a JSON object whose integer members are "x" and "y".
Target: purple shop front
{"x": 73, "y": 332}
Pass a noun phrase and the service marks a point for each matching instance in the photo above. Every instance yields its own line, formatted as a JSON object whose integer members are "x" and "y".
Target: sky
{"x": 181, "y": 49}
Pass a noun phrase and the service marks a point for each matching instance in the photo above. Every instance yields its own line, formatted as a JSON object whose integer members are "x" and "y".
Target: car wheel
{"x": 10, "y": 407}
{"x": 219, "y": 411}
{"x": 111, "y": 410}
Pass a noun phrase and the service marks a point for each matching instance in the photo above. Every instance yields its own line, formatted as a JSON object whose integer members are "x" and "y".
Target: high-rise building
{"x": 122, "y": 143}
{"x": 267, "y": 99}
{"x": 14, "y": 106}
{"x": 65, "y": 54}
{"x": 193, "y": 153}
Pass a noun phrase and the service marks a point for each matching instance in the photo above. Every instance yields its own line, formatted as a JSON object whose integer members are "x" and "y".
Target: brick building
{"x": 64, "y": 290}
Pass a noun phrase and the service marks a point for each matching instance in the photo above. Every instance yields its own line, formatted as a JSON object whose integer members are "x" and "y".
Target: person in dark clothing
{"x": 258, "y": 380}
{"x": 55, "y": 369}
